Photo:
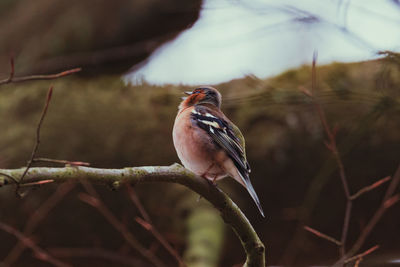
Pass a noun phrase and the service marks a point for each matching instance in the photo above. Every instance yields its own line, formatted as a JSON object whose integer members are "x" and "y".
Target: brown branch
{"x": 331, "y": 145}
{"x": 12, "y": 79}
{"x": 370, "y": 187}
{"x": 37, "y": 217}
{"x": 361, "y": 255}
{"x": 323, "y": 236}
{"x": 134, "y": 198}
{"x": 36, "y": 146}
{"x": 391, "y": 201}
{"x": 388, "y": 200}
{"x": 357, "y": 264}
{"x": 60, "y": 161}
{"x": 93, "y": 199}
{"x": 148, "y": 225}
{"x": 36, "y": 183}
{"x": 393, "y": 184}
{"x": 39, "y": 253}
{"x": 12, "y": 71}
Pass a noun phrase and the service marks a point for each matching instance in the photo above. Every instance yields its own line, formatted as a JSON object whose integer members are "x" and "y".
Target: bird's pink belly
{"x": 196, "y": 155}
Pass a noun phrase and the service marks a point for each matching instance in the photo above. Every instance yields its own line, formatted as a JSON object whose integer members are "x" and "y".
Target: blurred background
{"x": 137, "y": 59}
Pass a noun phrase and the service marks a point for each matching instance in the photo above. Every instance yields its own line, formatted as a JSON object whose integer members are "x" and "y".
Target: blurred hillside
{"x": 98, "y": 35}
{"x": 109, "y": 124}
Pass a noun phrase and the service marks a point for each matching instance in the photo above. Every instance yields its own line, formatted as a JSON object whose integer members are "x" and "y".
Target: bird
{"x": 208, "y": 143}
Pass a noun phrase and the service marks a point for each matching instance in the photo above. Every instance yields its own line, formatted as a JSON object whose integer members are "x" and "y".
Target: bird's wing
{"x": 225, "y": 134}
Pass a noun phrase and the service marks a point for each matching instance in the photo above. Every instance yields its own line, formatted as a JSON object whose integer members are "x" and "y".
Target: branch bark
{"x": 230, "y": 212}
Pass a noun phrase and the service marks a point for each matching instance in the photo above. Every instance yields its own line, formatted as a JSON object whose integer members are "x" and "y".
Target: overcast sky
{"x": 234, "y": 38}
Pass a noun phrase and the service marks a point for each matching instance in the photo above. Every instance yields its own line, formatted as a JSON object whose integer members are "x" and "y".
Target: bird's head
{"x": 202, "y": 95}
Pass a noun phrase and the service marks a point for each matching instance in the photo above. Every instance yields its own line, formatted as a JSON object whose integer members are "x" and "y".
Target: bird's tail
{"x": 246, "y": 180}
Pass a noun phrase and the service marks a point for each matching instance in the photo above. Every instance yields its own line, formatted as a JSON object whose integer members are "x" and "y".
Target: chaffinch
{"x": 208, "y": 143}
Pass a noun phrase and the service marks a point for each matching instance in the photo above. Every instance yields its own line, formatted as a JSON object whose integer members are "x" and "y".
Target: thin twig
{"x": 148, "y": 225}
{"x": 37, "y": 217}
{"x": 391, "y": 201}
{"x": 393, "y": 184}
{"x": 94, "y": 200}
{"x": 36, "y": 146}
{"x": 357, "y": 264}
{"x": 36, "y": 183}
{"x": 38, "y": 252}
{"x": 370, "y": 187}
{"x": 331, "y": 145}
{"x": 12, "y": 79}
{"x": 322, "y": 235}
{"x": 134, "y": 198}
{"x": 388, "y": 201}
{"x": 60, "y": 161}
{"x": 361, "y": 255}
{"x": 378, "y": 214}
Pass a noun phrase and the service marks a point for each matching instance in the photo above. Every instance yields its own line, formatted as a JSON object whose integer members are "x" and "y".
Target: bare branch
{"x": 12, "y": 79}
{"x": 94, "y": 200}
{"x": 12, "y": 71}
{"x": 391, "y": 201}
{"x": 60, "y": 161}
{"x": 331, "y": 145}
{"x": 388, "y": 201}
{"x": 232, "y": 215}
{"x": 37, "y": 217}
{"x": 361, "y": 255}
{"x": 148, "y": 225}
{"x": 370, "y": 187}
{"x": 393, "y": 184}
{"x": 38, "y": 252}
{"x": 322, "y": 235}
{"x": 136, "y": 201}
{"x": 36, "y": 146}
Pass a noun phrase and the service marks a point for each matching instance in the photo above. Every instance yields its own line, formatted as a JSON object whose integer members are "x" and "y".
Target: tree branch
{"x": 36, "y": 146}
{"x": 230, "y": 212}
{"x": 13, "y": 79}
{"x": 39, "y": 253}
{"x": 147, "y": 224}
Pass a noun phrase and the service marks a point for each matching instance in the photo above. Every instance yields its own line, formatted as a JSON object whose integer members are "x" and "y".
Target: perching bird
{"x": 208, "y": 143}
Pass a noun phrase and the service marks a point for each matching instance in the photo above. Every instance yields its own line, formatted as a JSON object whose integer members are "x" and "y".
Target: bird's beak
{"x": 188, "y": 93}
